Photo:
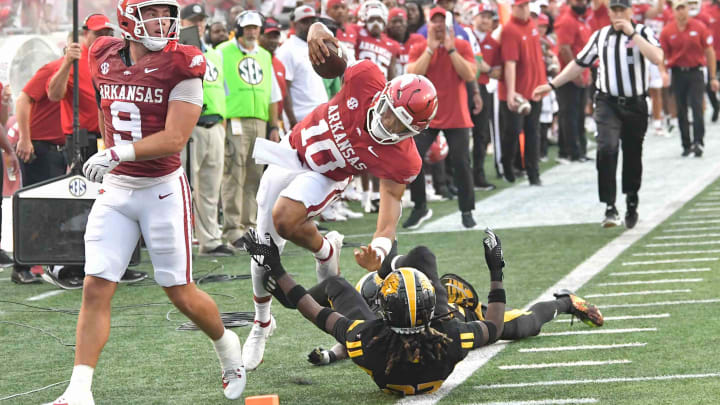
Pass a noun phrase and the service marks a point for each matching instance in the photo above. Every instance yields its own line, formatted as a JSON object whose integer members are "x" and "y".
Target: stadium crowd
{"x": 489, "y": 67}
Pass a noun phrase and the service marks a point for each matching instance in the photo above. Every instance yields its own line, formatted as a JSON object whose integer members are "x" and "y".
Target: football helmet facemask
{"x": 407, "y": 300}
{"x": 133, "y": 27}
{"x": 410, "y": 99}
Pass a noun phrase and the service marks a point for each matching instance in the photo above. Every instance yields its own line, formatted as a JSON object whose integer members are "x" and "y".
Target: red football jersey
{"x": 333, "y": 139}
{"x": 378, "y": 50}
{"x": 134, "y": 99}
{"x": 404, "y": 53}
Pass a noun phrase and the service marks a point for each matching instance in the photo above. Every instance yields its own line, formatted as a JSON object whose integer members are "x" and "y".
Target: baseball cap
{"x": 271, "y": 25}
{"x": 519, "y": 2}
{"x": 620, "y": 3}
{"x": 437, "y": 10}
{"x": 192, "y": 10}
{"x": 249, "y": 18}
{"x": 534, "y": 8}
{"x": 678, "y": 3}
{"x": 303, "y": 12}
{"x": 397, "y": 11}
{"x": 543, "y": 19}
{"x": 97, "y": 22}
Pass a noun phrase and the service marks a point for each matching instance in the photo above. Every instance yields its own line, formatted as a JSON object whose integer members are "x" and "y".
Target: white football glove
{"x": 104, "y": 161}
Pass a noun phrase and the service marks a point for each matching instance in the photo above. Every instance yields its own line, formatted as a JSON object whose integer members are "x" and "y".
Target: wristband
{"x": 429, "y": 51}
{"x": 451, "y": 51}
{"x": 124, "y": 152}
{"x": 633, "y": 33}
{"x": 552, "y": 86}
{"x": 381, "y": 246}
{"x": 496, "y": 295}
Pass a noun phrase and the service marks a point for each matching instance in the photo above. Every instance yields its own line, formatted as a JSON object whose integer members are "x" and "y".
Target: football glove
{"x": 494, "y": 255}
{"x": 99, "y": 164}
{"x": 266, "y": 255}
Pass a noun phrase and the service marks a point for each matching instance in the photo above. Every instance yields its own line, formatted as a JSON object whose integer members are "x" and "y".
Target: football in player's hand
{"x": 334, "y": 64}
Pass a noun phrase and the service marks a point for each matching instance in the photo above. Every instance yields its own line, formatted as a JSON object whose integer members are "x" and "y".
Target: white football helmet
{"x": 132, "y": 26}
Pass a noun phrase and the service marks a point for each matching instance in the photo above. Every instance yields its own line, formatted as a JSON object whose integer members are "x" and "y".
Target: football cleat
{"x": 234, "y": 381}
{"x": 585, "y": 311}
{"x": 254, "y": 347}
{"x": 74, "y": 398}
{"x": 331, "y": 266}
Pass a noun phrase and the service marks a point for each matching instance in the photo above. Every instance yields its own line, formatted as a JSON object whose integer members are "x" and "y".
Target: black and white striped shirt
{"x": 623, "y": 70}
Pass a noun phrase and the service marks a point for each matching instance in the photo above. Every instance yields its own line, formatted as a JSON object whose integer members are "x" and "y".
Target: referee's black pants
{"x": 571, "y": 118}
{"x": 481, "y": 134}
{"x": 511, "y": 124}
{"x": 615, "y": 123}
{"x": 712, "y": 96}
{"x": 458, "y": 140}
{"x": 49, "y": 163}
{"x": 688, "y": 87}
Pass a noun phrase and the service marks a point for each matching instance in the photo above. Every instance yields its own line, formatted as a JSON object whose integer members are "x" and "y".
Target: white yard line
{"x": 713, "y": 221}
{"x": 624, "y": 317}
{"x": 648, "y": 292}
{"x": 707, "y": 204}
{"x": 543, "y": 402}
{"x": 702, "y": 235}
{"x": 599, "y": 331}
{"x": 693, "y": 243}
{"x": 663, "y": 303}
{"x": 677, "y": 252}
{"x": 45, "y": 295}
{"x": 697, "y": 259}
{"x": 708, "y": 209}
{"x": 583, "y": 347}
{"x": 599, "y": 381}
{"x": 700, "y": 228}
{"x": 568, "y": 364}
{"x": 634, "y": 273}
{"x": 662, "y": 281}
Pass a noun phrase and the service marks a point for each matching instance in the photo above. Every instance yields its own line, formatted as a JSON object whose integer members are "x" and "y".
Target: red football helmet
{"x": 438, "y": 150}
{"x": 413, "y": 101}
{"x": 132, "y": 26}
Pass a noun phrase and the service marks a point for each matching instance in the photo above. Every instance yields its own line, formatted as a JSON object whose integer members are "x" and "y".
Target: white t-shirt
{"x": 307, "y": 89}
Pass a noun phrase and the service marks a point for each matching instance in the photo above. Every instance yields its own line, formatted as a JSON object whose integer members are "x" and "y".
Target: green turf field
{"x": 147, "y": 361}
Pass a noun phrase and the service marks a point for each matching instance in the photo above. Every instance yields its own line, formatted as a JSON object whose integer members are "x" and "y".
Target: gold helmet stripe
{"x": 409, "y": 277}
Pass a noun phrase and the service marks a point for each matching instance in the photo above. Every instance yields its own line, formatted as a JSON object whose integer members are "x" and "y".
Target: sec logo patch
{"x": 352, "y": 103}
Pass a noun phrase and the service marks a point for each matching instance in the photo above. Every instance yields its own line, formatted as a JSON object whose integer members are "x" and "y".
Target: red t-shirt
{"x": 453, "y": 110}
{"x": 279, "y": 69}
{"x": 88, "y": 106}
{"x": 639, "y": 11}
{"x": 685, "y": 48}
{"x": 520, "y": 42}
{"x": 380, "y": 50}
{"x": 404, "y": 56}
{"x": 598, "y": 18}
{"x": 490, "y": 49}
{"x": 347, "y": 36}
{"x": 44, "y": 114}
{"x": 710, "y": 16}
{"x": 572, "y": 30}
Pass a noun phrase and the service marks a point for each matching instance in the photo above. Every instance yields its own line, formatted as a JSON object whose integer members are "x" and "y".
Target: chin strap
{"x": 171, "y": 45}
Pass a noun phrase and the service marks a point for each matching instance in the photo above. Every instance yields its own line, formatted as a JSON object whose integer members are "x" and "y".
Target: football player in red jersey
{"x": 397, "y": 29}
{"x": 149, "y": 91}
{"x": 365, "y": 128}
{"x": 372, "y": 42}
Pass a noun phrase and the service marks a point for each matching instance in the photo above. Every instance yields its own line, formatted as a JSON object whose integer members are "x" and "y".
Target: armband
{"x": 322, "y": 317}
{"x": 295, "y": 294}
{"x": 492, "y": 332}
{"x": 496, "y": 295}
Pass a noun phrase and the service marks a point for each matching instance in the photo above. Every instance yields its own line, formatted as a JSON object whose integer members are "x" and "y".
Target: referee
{"x": 625, "y": 51}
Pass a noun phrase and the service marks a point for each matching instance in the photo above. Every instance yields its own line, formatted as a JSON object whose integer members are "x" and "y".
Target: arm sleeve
{"x": 471, "y": 335}
{"x": 189, "y": 91}
{"x": 342, "y": 327}
{"x": 649, "y": 35}
{"x": 589, "y": 54}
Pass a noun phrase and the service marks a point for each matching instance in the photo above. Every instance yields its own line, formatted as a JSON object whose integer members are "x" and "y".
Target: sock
{"x": 657, "y": 124}
{"x": 325, "y": 251}
{"x": 81, "y": 379}
{"x": 563, "y": 304}
{"x": 262, "y": 311}
{"x": 228, "y": 348}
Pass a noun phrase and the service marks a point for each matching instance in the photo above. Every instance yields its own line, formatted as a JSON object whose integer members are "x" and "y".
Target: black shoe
{"x": 685, "y": 152}
{"x": 5, "y": 260}
{"x": 612, "y": 218}
{"x": 467, "y": 220}
{"x": 716, "y": 112}
{"x": 220, "y": 251}
{"x": 698, "y": 150}
{"x": 631, "y": 218}
{"x": 132, "y": 276}
{"x": 535, "y": 181}
{"x": 510, "y": 176}
{"x": 417, "y": 217}
{"x": 23, "y": 275}
{"x": 482, "y": 184}
{"x": 66, "y": 281}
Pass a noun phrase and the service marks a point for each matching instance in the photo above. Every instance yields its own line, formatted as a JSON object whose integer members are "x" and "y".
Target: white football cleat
{"x": 330, "y": 266}
{"x": 254, "y": 347}
{"x": 74, "y": 398}
{"x": 234, "y": 381}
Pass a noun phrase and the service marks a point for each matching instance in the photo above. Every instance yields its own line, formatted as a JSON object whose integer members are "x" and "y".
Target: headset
{"x": 239, "y": 29}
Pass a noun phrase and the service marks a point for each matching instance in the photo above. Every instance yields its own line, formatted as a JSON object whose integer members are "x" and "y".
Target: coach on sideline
{"x": 625, "y": 51}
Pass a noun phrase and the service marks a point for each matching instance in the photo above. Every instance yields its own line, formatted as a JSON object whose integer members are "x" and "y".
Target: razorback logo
{"x": 197, "y": 61}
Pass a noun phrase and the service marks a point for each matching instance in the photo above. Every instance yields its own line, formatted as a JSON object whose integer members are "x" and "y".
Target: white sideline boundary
{"x": 45, "y": 295}
{"x": 599, "y": 381}
{"x": 573, "y": 281}
{"x": 582, "y": 347}
{"x": 568, "y": 364}
{"x": 646, "y": 292}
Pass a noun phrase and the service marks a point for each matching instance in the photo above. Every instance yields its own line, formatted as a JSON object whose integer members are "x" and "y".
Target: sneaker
{"x": 685, "y": 152}
{"x": 330, "y": 214}
{"x": 352, "y": 194}
{"x": 467, "y": 220}
{"x": 219, "y": 251}
{"x": 344, "y": 210}
{"x": 660, "y": 131}
{"x": 254, "y": 347}
{"x": 417, "y": 217}
{"x": 535, "y": 182}
{"x": 585, "y": 311}
{"x": 66, "y": 281}
{"x": 631, "y": 218}
{"x": 612, "y": 218}
{"x": 233, "y": 373}
{"x": 23, "y": 275}
{"x": 698, "y": 150}
{"x": 5, "y": 260}
{"x": 562, "y": 160}
{"x": 68, "y": 398}
{"x": 330, "y": 266}
{"x": 716, "y": 112}
{"x": 482, "y": 184}
{"x": 132, "y": 276}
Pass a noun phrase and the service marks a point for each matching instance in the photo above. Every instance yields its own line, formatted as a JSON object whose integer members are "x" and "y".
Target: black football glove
{"x": 267, "y": 255}
{"x": 494, "y": 255}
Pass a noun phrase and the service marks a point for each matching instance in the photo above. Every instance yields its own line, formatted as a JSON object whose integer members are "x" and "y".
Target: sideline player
{"x": 149, "y": 91}
{"x": 366, "y": 128}
{"x": 414, "y": 347}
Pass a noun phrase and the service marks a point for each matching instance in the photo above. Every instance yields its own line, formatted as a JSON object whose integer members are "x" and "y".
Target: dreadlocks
{"x": 427, "y": 345}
